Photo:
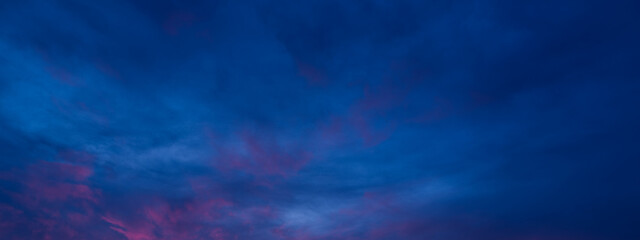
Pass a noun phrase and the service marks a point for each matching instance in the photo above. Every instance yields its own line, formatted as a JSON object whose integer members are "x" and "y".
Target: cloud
{"x": 151, "y": 120}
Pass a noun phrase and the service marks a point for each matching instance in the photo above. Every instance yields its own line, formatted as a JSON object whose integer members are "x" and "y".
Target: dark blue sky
{"x": 312, "y": 120}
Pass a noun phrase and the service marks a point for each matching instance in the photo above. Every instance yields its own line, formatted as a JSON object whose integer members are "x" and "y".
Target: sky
{"x": 319, "y": 119}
